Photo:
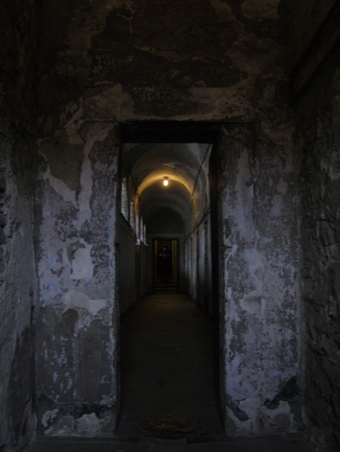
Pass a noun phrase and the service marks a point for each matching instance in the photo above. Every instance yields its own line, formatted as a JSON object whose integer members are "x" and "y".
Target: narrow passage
{"x": 167, "y": 371}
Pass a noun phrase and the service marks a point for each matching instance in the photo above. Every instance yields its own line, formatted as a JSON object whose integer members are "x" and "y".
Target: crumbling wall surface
{"x": 109, "y": 61}
{"x": 193, "y": 60}
{"x": 318, "y": 113}
{"x": 76, "y": 318}
{"x": 18, "y": 75}
{"x": 259, "y": 263}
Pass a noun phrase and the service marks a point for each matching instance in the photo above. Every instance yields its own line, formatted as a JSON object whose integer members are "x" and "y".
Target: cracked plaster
{"x": 129, "y": 69}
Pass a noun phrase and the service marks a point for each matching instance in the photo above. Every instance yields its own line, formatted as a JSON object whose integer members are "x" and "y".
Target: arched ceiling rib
{"x": 174, "y": 197}
{"x": 149, "y": 163}
{"x": 156, "y": 177}
{"x": 181, "y": 160}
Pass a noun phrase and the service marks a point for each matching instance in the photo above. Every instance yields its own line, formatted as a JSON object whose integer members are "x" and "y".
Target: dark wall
{"x": 107, "y": 62}
{"x": 166, "y": 221}
{"x": 305, "y": 19}
{"x": 318, "y": 115}
{"x": 127, "y": 264}
{"x": 143, "y": 270}
{"x": 18, "y": 77}
{"x": 315, "y": 94}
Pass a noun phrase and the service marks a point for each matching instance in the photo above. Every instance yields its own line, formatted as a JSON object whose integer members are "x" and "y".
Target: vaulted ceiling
{"x": 182, "y": 165}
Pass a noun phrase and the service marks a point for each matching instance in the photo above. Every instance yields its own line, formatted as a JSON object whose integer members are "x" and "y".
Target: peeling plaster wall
{"x": 76, "y": 318}
{"x": 259, "y": 272}
{"x": 18, "y": 76}
{"x": 17, "y": 289}
{"x": 318, "y": 113}
{"x": 109, "y": 61}
{"x": 129, "y": 60}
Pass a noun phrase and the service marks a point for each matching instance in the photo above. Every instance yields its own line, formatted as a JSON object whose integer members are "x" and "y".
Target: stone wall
{"x": 128, "y": 61}
{"x": 315, "y": 86}
{"x": 77, "y": 310}
{"x": 107, "y": 62}
{"x": 318, "y": 114}
{"x": 259, "y": 279}
{"x": 18, "y": 78}
{"x": 104, "y": 62}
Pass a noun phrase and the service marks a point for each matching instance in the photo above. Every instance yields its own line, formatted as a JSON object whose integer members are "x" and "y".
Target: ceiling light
{"x": 165, "y": 182}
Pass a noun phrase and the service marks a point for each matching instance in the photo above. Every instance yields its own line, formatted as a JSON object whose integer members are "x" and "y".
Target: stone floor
{"x": 168, "y": 398}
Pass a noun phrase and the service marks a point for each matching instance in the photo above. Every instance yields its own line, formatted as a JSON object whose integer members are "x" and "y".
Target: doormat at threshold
{"x": 176, "y": 427}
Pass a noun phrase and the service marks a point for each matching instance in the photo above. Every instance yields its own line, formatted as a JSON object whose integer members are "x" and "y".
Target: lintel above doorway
{"x": 169, "y": 131}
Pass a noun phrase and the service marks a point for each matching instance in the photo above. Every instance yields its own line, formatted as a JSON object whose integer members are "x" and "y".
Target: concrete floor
{"x": 168, "y": 398}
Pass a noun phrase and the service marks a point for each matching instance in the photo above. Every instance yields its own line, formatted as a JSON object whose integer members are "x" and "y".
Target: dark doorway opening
{"x": 188, "y": 239}
{"x": 165, "y": 265}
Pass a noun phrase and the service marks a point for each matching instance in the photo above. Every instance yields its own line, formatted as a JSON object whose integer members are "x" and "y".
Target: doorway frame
{"x": 183, "y": 132}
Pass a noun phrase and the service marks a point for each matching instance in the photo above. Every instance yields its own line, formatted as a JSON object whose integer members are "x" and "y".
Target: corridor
{"x": 168, "y": 400}
{"x": 211, "y": 126}
{"x": 167, "y": 371}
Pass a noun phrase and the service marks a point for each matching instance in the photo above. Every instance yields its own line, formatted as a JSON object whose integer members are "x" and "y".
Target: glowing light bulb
{"x": 166, "y": 182}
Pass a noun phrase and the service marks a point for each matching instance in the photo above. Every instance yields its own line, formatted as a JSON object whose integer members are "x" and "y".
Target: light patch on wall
{"x": 75, "y": 299}
{"x": 96, "y": 133}
{"x": 282, "y": 187}
{"x": 277, "y": 205}
{"x": 255, "y": 268}
{"x": 112, "y": 104}
{"x": 88, "y": 423}
{"x": 65, "y": 426}
{"x": 73, "y": 126}
{"x": 82, "y": 267}
{"x": 259, "y": 60}
{"x": 281, "y": 417}
{"x": 49, "y": 416}
{"x": 245, "y": 195}
{"x": 78, "y": 256}
{"x": 252, "y": 303}
{"x": 61, "y": 188}
{"x": 49, "y": 286}
{"x": 226, "y": 103}
{"x": 223, "y": 10}
{"x": 234, "y": 383}
{"x": 261, "y": 9}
